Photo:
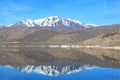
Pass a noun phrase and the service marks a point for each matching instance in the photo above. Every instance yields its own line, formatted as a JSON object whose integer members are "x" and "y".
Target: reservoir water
{"x": 59, "y": 64}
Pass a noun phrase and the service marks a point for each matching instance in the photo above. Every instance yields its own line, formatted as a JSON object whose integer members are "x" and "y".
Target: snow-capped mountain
{"x": 52, "y": 21}
{"x": 52, "y": 70}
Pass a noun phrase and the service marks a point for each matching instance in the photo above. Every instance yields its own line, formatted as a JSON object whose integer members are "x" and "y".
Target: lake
{"x": 30, "y": 63}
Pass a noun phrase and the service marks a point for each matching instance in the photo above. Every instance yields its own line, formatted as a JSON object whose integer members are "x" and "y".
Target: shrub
{"x": 109, "y": 34}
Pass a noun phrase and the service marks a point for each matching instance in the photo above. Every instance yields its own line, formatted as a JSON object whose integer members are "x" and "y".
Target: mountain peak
{"x": 53, "y": 17}
{"x": 52, "y": 21}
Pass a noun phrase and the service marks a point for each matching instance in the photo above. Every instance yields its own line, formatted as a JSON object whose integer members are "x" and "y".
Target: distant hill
{"x": 84, "y": 34}
{"x": 111, "y": 38}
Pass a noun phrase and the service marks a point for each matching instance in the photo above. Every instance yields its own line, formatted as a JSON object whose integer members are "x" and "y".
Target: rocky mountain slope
{"x": 38, "y": 34}
{"x": 72, "y": 36}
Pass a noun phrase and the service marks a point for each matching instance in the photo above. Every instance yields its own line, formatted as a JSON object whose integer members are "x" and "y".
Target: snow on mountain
{"x": 52, "y": 21}
{"x": 28, "y": 23}
{"x": 9, "y": 25}
{"x": 92, "y": 25}
{"x": 52, "y": 70}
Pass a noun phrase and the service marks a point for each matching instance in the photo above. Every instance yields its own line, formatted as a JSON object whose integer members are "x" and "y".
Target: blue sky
{"x": 98, "y": 12}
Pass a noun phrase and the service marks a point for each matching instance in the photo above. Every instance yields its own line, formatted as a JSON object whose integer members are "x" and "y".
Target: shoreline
{"x": 59, "y": 46}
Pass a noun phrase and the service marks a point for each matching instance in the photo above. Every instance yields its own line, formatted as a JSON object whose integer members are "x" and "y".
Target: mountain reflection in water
{"x": 59, "y": 64}
{"x": 87, "y": 73}
{"x": 51, "y": 70}
{"x": 31, "y": 56}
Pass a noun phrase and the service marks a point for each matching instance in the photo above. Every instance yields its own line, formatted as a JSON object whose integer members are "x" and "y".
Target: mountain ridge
{"x": 51, "y": 21}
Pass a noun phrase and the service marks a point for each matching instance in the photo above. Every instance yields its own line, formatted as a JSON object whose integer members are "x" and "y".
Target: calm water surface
{"x": 108, "y": 58}
{"x": 96, "y": 73}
